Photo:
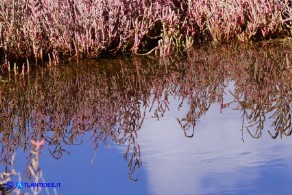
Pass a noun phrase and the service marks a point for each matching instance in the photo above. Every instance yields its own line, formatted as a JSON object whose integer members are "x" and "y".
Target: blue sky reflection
{"x": 215, "y": 160}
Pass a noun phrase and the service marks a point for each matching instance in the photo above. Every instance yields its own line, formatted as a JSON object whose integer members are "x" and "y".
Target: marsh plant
{"x": 57, "y": 30}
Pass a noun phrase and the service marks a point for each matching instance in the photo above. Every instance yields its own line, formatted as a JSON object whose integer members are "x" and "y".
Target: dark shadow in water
{"x": 109, "y": 98}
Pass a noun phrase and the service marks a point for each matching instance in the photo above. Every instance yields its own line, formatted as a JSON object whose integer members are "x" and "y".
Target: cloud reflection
{"x": 215, "y": 160}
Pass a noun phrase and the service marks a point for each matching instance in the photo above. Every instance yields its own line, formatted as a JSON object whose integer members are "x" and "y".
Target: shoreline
{"x": 53, "y": 31}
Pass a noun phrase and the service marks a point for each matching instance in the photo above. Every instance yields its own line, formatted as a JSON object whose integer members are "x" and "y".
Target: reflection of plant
{"x": 109, "y": 100}
{"x": 34, "y": 169}
{"x": 6, "y": 177}
{"x": 264, "y": 92}
{"x": 283, "y": 116}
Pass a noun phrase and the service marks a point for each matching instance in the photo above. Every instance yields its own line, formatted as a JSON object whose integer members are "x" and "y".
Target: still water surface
{"x": 215, "y": 121}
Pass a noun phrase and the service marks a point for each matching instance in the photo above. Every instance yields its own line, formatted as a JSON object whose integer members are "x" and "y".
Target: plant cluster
{"x": 56, "y": 30}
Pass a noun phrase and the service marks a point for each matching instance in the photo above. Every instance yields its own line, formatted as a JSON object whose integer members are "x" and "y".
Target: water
{"x": 214, "y": 121}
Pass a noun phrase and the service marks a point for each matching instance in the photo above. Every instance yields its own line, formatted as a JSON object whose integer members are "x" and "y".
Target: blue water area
{"x": 219, "y": 159}
{"x": 81, "y": 172}
{"x": 210, "y": 123}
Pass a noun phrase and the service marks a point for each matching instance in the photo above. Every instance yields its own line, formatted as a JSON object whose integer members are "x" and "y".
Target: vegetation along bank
{"x": 53, "y": 31}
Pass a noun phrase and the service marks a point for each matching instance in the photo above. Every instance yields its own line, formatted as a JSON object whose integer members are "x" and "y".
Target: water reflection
{"x": 215, "y": 161}
{"x": 111, "y": 100}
